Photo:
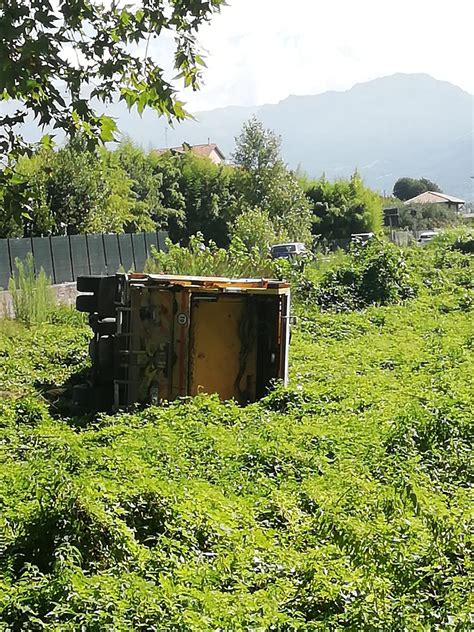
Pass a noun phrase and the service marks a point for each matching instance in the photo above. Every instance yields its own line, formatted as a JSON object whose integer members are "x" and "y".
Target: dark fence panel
{"x": 126, "y": 252}
{"x": 79, "y": 255}
{"x": 19, "y": 249}
{"x": 139, "y": 251}
{"x": 42, "y": 256}
{"x": 96, "y": 254}
{"x": 162, "y": 235}
{"x": 151, "y": 239}
{"x": 5, "y": 270}
{"x": 61, "y": 259}
{"x": 112, "y": 253}
{"x": 65, "y": 258}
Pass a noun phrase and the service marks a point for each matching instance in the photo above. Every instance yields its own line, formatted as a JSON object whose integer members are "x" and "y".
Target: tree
{"x": 407, "y": 188}
{"x": 263, "y": 181}
{"x": 62, "y": 60}
{"x": 154, "y": 185}
{"x": 76, "y": 190}
{"x": 256, "y": 148}
{"x": 344, "y": 207}
{"x": 255, "y": 230}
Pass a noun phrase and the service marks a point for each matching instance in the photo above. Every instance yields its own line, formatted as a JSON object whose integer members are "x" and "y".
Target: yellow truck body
{"x": 159, "y": 337}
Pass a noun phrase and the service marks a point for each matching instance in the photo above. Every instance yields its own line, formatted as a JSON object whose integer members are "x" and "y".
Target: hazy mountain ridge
{"x": 400, "y": 125}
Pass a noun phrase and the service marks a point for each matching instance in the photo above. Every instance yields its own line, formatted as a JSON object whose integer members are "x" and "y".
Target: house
{"x": 433, "y": 197}
{"x": 209, "y": 150}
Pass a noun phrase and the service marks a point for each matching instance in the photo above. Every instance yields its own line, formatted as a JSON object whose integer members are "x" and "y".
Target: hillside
{"x": 390, "y": 127}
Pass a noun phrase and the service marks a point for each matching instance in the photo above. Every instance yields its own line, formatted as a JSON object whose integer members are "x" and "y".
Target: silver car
{"x": 286, "y": 251}
{"x": 425, "y": 237}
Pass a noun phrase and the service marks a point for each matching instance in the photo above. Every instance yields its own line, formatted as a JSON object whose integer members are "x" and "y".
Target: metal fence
{"x": 65, "y": 258}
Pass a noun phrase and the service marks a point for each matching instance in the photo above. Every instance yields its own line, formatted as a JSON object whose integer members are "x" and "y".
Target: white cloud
{"x": 260, "y": 51}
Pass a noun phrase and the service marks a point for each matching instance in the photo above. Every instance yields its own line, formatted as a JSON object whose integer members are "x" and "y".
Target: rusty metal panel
{"x": 181, "y": 344}
{"x": 223, "y": 348}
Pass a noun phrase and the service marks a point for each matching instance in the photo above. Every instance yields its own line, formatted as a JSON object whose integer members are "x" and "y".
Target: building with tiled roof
{"x": 208, "y": 150}
{"x": 433, "y": 197}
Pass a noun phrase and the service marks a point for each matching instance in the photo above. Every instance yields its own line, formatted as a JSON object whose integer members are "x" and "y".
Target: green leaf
{"x": 107, "y": 128}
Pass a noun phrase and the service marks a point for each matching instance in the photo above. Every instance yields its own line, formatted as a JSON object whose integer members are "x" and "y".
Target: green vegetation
{"x": 208, "y": 260}
{"x": 407, "y": 188}
{"x": 343, "y": 207}
{"x": 31, "y": 293}
{"x": 343, "y": 501}
{"x": 105, "y": 65}
{"x": 78, "y": 189}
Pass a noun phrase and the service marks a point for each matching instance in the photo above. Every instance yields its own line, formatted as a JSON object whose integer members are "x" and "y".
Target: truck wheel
{"x": 86, "y": 303}
{"x": 105, "y": 355}
{"x": 81, "y": 394}
{"x": 106, "y": 297}
{"x": 106, "y": 327}
{"x": 88, "y": 283}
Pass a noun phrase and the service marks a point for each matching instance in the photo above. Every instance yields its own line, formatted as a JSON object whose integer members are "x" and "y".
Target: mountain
{"x": 402, "y": 125}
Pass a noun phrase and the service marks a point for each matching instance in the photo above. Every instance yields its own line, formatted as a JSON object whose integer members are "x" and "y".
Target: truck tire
{"x": 105, "y": 356}
{"x": 81, "y": 394}
{"x": 88, "y": 283}
{"x": 86, "y": 303}
{"x": 106, "y": 297}
{"x": 106, "y": 327}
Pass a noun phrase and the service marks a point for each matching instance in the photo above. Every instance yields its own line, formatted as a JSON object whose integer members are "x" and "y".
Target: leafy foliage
{"x": 61, "y": 62}
{"x": 341, "y": 501}
{"x": 343, "y": 208}
{"x": 407, "y": 188}
{"x": 264, "y": 182}
{"x": 372, "y": 273}
{"x": 209, "y": 260}
{"x": 256, "y": 230}
{"x": 31, "y": 293}
{"x": 75, "y": 190}
{"x": 101, "y": 37}
{"x": 418, "y": 217}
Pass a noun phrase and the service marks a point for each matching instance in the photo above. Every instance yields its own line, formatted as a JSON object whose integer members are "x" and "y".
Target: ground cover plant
{"x": 340, "y": 502}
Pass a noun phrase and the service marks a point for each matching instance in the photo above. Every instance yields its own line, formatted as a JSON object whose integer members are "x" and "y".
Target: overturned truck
{"x": 159, "y": 337}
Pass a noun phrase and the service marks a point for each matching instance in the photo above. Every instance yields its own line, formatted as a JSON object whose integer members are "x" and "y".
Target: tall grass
{"x": 32, "y": 297}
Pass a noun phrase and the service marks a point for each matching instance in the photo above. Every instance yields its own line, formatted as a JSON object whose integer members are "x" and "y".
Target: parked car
{"x": 425, "y": 237}
{"x": 286, "y": 251}
{"x": 362, "y": 237}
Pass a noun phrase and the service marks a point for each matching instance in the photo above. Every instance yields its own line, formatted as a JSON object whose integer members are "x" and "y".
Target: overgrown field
{"x": 341, "y": 502}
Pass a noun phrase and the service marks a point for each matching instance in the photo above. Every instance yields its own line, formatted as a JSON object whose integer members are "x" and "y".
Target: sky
{"x": 261, "y": 51}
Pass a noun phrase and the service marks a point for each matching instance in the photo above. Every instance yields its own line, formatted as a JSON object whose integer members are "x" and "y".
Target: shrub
{"x": 31, "y": 294}
{"x": 199, "y": 259}
{"x": 375, "y": 273}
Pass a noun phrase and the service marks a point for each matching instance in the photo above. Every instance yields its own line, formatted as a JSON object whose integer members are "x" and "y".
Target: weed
{"x": 31, "y": 294}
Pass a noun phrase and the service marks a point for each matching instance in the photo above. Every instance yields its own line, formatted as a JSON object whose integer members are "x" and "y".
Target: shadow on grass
{"x": 76, "y": 400}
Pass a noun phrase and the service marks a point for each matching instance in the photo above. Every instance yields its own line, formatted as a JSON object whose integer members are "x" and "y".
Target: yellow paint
{"x": 215, "y": 349}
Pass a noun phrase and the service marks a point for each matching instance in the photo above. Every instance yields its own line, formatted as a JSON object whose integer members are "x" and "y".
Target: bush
{"x": 31, "y": 294}
{"x": 199, "y": 259}
{"x": 343, "y": 208}
{"x": 375, "y": 273}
